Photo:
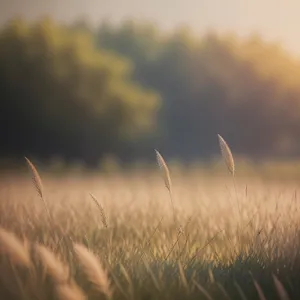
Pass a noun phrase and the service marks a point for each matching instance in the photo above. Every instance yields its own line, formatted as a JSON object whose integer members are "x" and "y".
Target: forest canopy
{"x": 81, "y": 92}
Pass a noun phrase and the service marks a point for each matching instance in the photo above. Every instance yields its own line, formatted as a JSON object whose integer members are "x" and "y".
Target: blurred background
{"x": 99, "y": 81}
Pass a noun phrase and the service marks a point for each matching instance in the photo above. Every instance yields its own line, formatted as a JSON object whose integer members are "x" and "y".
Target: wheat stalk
{"x": 37, "y": 182}
{"x": 11, "y": 246}
{"x": 227, "y": 155}
{"x": 94, "y": 270}
{"x": 102, "y": 212}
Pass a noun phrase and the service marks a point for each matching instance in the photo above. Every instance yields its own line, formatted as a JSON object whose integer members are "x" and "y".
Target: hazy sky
{"x": 275, "y": 19}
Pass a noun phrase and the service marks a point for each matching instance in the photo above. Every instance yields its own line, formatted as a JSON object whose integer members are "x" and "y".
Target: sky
{"x": 276, "y": 20}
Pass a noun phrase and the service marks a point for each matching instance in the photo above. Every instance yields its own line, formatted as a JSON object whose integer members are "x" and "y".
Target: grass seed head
{"x": 55, "y": 268}
{"x": 227, "y": 155}
{"x": 164, "y": 168}
{"x": 11, "y": 246}
{"x": 69, "y": 292}
{"x": 93, "y": 269}
{"x": 37, "y": 181}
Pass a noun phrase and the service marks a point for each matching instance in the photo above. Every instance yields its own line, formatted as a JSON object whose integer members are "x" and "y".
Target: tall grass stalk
{"x": 37, "y": 182}
{"x": 101, "y": 210}
{"x": 167, "y": 178}
{"x": 229, "y": 161}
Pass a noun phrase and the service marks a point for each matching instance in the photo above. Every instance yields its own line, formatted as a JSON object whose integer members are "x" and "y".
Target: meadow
{"x": 195, "y": 231}
{"x": 117, "y": 236}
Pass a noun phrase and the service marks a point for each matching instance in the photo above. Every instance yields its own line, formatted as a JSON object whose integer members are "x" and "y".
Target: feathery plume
{"x": 11, "y": 246}
{"x": 69, "y": 292}
{"x": 37, "y": 181}
{"x": 93, "y": 269}
{"x": 66, "y": 289}
{"x": 227, "y": 155}
{"x": 55, "y": 268}
{"x": 166, "y": 173}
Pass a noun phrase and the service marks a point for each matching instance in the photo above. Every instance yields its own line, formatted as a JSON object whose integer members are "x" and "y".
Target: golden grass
{"x": 15, "y": 250}
{"x": 93, "y": 270}
{"x": 143, "y": 254}
{"x": 70, "y": 292}
{"x": 54, "y": 267}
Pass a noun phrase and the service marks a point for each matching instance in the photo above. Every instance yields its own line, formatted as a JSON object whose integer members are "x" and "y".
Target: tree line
{"x": 81, "y": 93}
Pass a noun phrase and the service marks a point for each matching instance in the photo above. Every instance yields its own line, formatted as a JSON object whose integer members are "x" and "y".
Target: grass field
{"x": 222, "y": 243}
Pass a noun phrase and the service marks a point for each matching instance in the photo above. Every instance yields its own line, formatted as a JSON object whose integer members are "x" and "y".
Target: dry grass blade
{"x": 223, "y": 291}
{"x": 227, "y": 155}
{"x": 154, "y": 280}
{"x": 202, "y": 290}
{"x": 102, "y": 212}
{"x": 69, "y": 292}
{"x": 183, "y": 277}
{"x": 93, "y": 270}
{"x": 55, "y": 268}
{"x": 166, "y": 173}
{"x": 282, "y": 293}
{"x": 211, "y": 275}
{"x": 37, "y": 181}
{"x": 259, "y": 291}
{"x": 129, "y": 281}
{"x": 240, "y": 291}
{"x": 11, "y": 246}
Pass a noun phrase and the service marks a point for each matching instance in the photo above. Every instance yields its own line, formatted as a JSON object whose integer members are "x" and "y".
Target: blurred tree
{"x": 247, "y": 90}
{"x": 62, "y": 96}
{"x": 73, "y": 92}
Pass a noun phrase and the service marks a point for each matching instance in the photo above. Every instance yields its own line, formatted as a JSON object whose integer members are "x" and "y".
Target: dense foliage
{"x": 81, "y": 93}
{"x": 248, "y": 90}
{"x": 60, "y": 95}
